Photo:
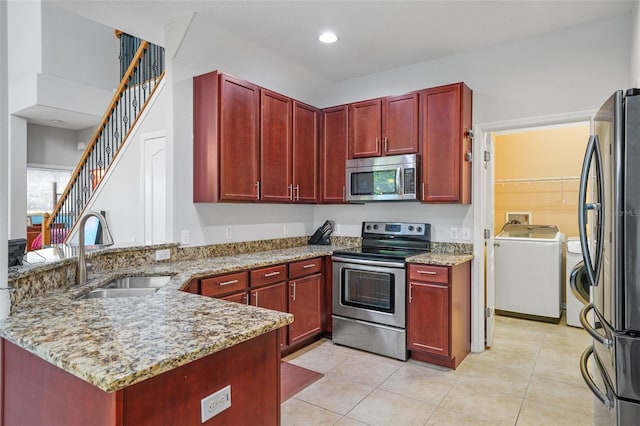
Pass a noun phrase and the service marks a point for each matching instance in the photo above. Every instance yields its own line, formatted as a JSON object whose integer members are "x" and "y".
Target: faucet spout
{"x": 81, "y": 266}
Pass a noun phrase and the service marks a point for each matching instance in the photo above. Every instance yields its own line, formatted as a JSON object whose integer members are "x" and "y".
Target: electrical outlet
{"x": 215, "y": 403}
{"x": 466, "y": 234}
{"x": 285, "y": 229}
{"x": 163, "y": 254}
{"x": 184, "y": 237}
{"x": 453, "y": 233}
{"x": 336, "y": 229}
{"x": 227, "y": 233}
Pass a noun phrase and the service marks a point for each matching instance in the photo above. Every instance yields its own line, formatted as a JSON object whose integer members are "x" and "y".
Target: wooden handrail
{"x": 124, "y": 84}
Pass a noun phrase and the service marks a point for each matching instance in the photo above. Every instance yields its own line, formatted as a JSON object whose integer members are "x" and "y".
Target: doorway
{"x": 485, "y": 227}
{"x": 154, "y": 157}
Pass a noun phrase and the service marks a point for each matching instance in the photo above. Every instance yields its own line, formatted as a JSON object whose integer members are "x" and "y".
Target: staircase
{"x": 139, "y": 81}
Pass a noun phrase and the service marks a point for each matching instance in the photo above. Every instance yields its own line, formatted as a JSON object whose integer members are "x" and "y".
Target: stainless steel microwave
{"x": 391, "y": 178}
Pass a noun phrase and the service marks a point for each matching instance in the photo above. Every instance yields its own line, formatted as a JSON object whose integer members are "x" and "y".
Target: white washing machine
{"x": 575, "y": 302}
{"x": 528, "y": 271}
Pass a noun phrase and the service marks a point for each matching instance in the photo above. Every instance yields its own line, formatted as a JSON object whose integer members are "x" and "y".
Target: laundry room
{"x": 536, "y": 182}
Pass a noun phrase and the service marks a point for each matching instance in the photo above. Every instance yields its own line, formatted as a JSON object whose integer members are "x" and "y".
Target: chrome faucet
{"x": 107, "y": 240}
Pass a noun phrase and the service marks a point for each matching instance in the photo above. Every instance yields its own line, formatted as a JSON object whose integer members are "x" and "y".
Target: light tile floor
{"x": 529, "y": 377}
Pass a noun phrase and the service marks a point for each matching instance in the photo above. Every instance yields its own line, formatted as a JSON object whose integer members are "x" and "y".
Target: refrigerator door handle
{"x": 602, "y": 396}
{"x": 606, "y": 342}
{"x": 592, "y": 267}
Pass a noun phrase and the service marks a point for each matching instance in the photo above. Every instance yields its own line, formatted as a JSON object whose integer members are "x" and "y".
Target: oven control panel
{"x": 395, "y": 228}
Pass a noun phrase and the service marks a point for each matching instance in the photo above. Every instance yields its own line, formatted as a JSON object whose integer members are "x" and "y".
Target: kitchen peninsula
{"x": 150, "y": 359}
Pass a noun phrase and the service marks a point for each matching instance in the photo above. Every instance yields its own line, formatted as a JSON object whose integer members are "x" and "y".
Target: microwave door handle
{"x": 399, "y": 185}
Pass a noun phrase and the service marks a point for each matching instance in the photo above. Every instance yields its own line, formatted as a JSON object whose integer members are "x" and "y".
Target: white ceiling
{"x": 374, "y": 35}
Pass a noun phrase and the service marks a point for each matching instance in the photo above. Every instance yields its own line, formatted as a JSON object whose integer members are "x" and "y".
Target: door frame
{"x": 147, "y": 193}
{"x": 479, "y": 198}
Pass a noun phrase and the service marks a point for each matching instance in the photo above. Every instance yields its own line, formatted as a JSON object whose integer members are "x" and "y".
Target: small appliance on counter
{"x": 370, "y": 289}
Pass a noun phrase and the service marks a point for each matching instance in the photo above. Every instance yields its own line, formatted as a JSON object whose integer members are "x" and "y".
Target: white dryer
{"x": 528, "y": 271}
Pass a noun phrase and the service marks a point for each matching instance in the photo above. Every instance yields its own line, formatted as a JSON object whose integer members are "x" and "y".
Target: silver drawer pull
{"x": 271, "y": 274}
{"x": 309, "y": 266}
{"x": 229, "y": 282}
{"x": 427, "y": 272}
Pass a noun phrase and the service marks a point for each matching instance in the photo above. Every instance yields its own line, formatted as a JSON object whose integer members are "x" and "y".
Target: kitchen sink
{"x": 129, "y": 286}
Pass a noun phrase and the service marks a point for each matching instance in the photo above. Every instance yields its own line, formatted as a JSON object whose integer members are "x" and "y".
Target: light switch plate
{"x": 215, "y": 403}
{"x": 163, "y": 254}
{"x": 453, "y": 233}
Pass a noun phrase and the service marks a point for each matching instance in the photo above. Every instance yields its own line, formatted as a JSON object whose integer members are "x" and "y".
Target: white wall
{"x": 561, "y": 72}
{"x": 121, "y": 194}
{"x": 52, "y": 146}
{"x": 25, "y": 39}
{"x": 17, "y": 156}
{"x": 69, "y": 46}
{"x": 200, "y": 47}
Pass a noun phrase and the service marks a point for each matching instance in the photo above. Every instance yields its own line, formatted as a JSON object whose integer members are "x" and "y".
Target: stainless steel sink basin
{"x": 108, "y": 293}
{"x": 129, "y": 286}
{"x": 155, "y": 281}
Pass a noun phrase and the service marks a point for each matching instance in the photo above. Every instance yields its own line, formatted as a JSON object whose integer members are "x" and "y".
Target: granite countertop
{"x": 114, "y": 343}
{"x": 442, "y": 259}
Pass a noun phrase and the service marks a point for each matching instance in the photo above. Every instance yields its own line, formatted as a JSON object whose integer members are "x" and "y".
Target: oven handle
{"x": 368, "y": 262}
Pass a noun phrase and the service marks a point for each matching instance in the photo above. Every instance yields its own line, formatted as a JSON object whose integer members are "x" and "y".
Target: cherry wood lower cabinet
{"x": 305, "y": 303}
{"x": 36, "y": 392}
{"x": 297, "y": 288}
{"x": 439, "y": 313}
{"x": 272, "y": 297}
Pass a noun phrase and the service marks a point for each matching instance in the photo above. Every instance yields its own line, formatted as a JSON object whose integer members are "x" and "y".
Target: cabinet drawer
{"x": 224, "y": 284}
{"x": 430, "y": 273}
{"x": 269, "y": 275}
{"x": 305, "y": 267}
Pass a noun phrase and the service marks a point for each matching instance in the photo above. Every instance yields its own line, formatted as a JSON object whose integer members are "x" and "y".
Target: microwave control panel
{"x": 409, "y": 181}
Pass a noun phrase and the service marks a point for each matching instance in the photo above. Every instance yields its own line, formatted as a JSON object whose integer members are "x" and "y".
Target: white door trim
{"x": 477, "y": 279}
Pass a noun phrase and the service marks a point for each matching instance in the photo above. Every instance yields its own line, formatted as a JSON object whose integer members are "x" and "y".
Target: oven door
{"x": 371, "y": 291}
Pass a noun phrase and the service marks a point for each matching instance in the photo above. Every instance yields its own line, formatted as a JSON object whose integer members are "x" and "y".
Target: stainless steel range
{"x": 370, "y": 287}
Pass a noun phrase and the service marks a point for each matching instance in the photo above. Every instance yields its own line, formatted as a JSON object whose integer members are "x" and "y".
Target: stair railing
{"x": 131, "y": 97}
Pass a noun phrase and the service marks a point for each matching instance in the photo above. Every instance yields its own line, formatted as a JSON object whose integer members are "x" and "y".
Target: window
{"x": 44, "y": 186}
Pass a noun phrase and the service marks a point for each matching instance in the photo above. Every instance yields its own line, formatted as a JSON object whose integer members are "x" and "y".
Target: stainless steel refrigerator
{"x": 609, "y": 215}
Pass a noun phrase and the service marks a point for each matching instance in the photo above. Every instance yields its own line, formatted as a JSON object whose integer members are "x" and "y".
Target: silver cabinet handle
{"x": 255, "y": 294}
{"x": 297, "y": 192}
{"x": 410, "y": 293}
{"x": 246, "y": 298}
{"x": 228, "y": 282}
{"x": 386, "y": 144}
{"x": 293, "y": 290}
{"x": 311, "y": 265}
{"x": 427, "y": 272}
{"x": 377, "y": 144}
{"x": 257, "y": 190}
{"x": 344, "y": 198}
{"x": 291, "y": 192}
{"x": 272, "y": 274}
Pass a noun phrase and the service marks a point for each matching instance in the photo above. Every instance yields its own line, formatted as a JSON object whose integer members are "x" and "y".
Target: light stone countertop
{"x": 441, "y": 259}
{"x": 114, "y": 343}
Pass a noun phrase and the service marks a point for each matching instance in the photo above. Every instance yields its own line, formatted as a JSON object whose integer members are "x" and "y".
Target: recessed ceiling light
{"x": 328, "y": 37}
{"x": 57, "y": 121}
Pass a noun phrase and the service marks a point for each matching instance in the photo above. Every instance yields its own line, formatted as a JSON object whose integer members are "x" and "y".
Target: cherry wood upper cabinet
{"x": 365, "y": 128}
{"x": 400, "y": 124}
{"x": 384, "y": 126}
{"x": 334, "y": 154}
{"x": 446, "y": 144}
{"x": 306, "y": 127}
{"x": 275, "y": 146}
{"x": 225, "y": 139}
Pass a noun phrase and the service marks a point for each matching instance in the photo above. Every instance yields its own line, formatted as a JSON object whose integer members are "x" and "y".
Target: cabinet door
{"x": 272, "y": 297}
{"x": 242, "y": 297}
{"x": 305, "y": 153}
{"x": 334, "y": 154}
{"x": 305, "y": 298}
{"x": 239, "y": 139}
{"x": 446, "y": 117}
{"x": 275, "y": 144}
{"x": 365, "y": 128}
{"x": 400, "y": 125}
{"x": 428, "y": 325}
